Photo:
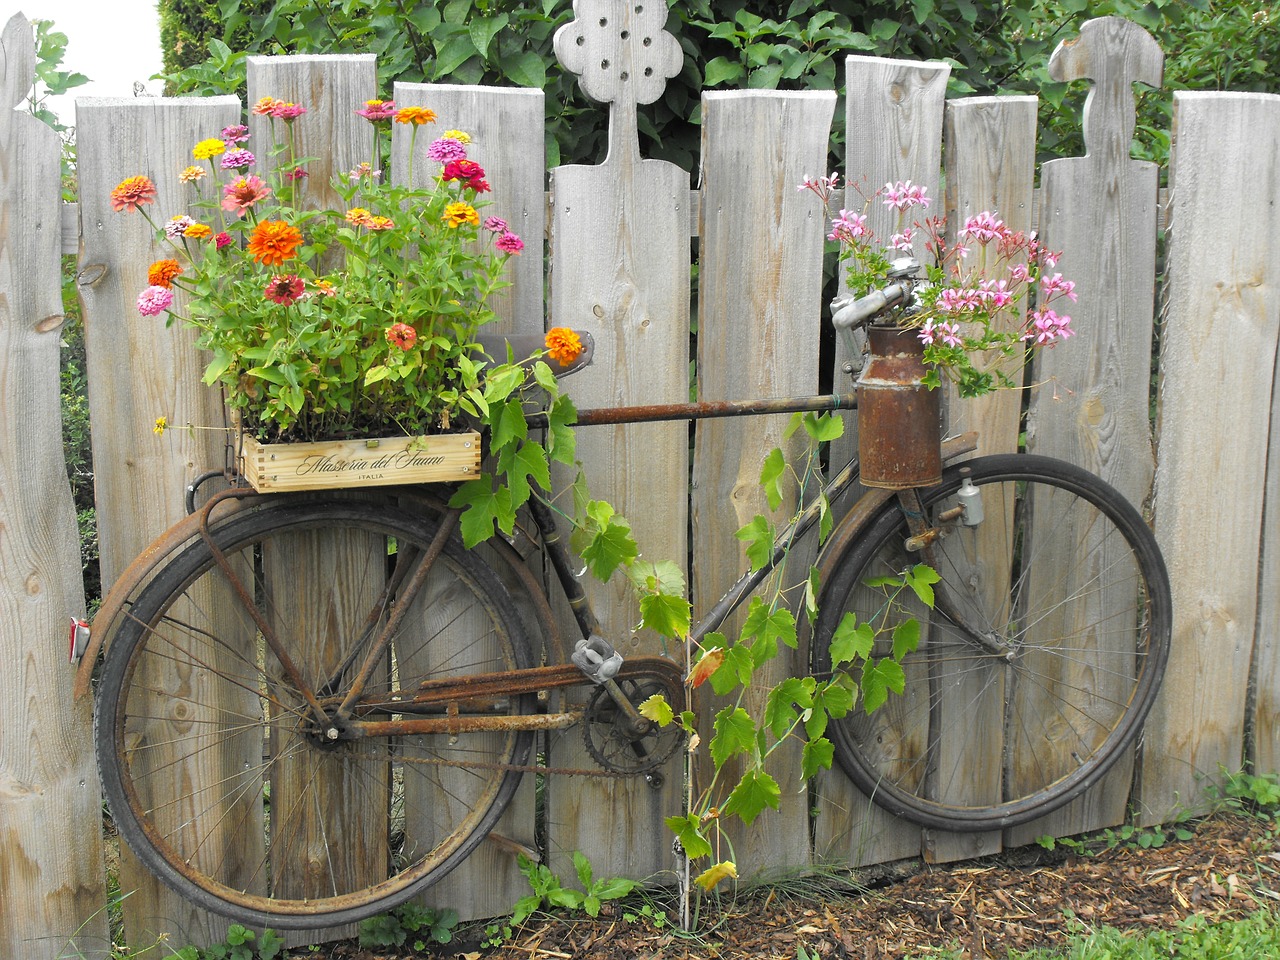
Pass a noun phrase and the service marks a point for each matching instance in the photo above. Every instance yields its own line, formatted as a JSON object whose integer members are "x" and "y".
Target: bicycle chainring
{"x": 616, "y": 749}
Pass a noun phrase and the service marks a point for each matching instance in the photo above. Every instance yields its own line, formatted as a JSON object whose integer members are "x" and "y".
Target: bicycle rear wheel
{"x": 1045, "y": 649}
{"x": 216, "y": 772}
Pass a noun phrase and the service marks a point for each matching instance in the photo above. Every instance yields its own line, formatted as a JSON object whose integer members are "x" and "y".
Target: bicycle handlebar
{"x": 846, "y": 315}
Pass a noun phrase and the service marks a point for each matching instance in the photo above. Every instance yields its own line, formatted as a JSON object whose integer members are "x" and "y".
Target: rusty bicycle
{"x": 313, "y": 706}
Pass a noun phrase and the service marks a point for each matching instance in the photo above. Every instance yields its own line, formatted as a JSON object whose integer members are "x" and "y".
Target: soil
{"x": 1026, "y": 898}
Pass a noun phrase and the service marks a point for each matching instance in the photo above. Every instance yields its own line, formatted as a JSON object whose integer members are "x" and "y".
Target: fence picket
{"x": 1217, "y": 367}
{"x": 51, "y": 882}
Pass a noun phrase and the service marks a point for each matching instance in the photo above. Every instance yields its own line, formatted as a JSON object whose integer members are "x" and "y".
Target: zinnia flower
{"x": 221, "y": 240}
{"x": 401, "y": 335}
{"x": 381, "y": 223}
{"x": 446, "y": 149}
{"x": 457, "y": 135}
{"x": 284, "y": 290}
{"x": 198, "y": 231}
{"x": 273, "y": 242}
{"x": 495, "y": 224}
{"x": 235, "y": 134}
{"x": 509, "y": 243}
{"x": 288, "y": 112}
{"x": 239, "y": 195}
{"x": 192, "y": 174}
{"x": 206, "y": 149}
{"x": 462, "y": 170}
{"x": 359, "y": 217}
{"x": 416, "y": 115}
{"x": 563, "y": 345}
{"x": 458, "y": 213}
{"x": 176, "y": 226}
{"x": 265, "y": 106}
{"x": 376, "y": 111}
{"x": 364, "y": 170}
{"x": 154, "y": 300}
{"x": 133, "y": 194}
{"x": 162, "y": 272}
{"x": 238, "y": 159}
{"x": 297, "y": 173}
{"x": 325, "y": 287}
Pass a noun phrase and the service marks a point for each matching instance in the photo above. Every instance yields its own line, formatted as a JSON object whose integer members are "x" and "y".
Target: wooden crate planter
{"x": 280, "y": 467}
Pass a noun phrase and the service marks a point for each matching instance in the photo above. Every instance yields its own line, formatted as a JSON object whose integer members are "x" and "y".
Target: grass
{"x": 1196, "y": 938}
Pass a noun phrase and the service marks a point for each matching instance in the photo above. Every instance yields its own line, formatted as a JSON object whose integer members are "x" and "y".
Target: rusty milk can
{"x": 899, "y": 418}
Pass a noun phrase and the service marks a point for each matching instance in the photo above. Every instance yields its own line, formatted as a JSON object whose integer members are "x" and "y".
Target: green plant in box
{"x": 353, "y": 322}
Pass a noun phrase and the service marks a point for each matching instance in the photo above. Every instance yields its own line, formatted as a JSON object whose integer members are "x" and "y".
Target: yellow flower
{"x": 162, "y": 424}
{"x": 418, "y": 115}
{"x": 463, "y": 138}
{"x": 198, "y": 231}
{"x": 192, "y": 174}
{"x": 359, "y": 217}
{"x": 208, "y": 148}
{"x": 458, "y": 213}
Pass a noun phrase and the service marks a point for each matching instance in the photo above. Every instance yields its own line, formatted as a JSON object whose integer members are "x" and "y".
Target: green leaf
{"x": 609, "y": 543}
{"x": 509, "y": 426}
{"x": 906, "y": 637}
{"x": 735, "y": 732}
{"x": 455, "y": 51}
{"x": 666, "y": 614}
{"x": 482, "y": 508}
{"x": 783, "y": 701}
{"x": 527, "y": 69}
{"x": 758, "y": 536}
{"x": 878, "y": 679}
{"x": 833, "y": 699}
{"x": 851, "y": 640}
{"x": 823, "y": 428}
{"x": 737, "y": 668}
{"x": 482, "y": 30}
{"x": 722, "y": 70}
{"x": 816, "y": 755}
{"x": 921, "y": 579}
{"x": 771, "y": 474}
{"x": 657, "y": 709}
{"x": 688, "y": 832}
{"x": 755, "y": 791}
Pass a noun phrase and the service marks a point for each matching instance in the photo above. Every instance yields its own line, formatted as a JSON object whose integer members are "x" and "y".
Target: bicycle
{"x": 245, "y": 697}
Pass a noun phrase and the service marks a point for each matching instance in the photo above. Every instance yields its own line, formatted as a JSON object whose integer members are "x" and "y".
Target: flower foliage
{"x": 991, "y": 298}
{"x": 325, "y": 324}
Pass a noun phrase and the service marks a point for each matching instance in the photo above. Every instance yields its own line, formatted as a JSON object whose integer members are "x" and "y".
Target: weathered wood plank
{"x": 1262, "y": 741}
{"x": 893, "y": 120}
{"x": 620, "y": 255}
{"x": 990, "y": 167}
{"x": 52, "y": 883}
{"x": 760, "y": 287}
{"x": 506, "y": 127}
{"x": 1222, "y": 322}
{"x": 141, "y": 370}
{"x": 1093, "y": 405}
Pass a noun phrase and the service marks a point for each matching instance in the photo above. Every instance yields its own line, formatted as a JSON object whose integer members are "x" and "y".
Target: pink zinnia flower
{"x": 288, "y": 112}
{"x": 401, "y": 335}
{"x": 238, "y": 160}
{"x": 297, "y": 173}
{"x": 175, "y": 227}
{"x": 221, "y": 240}
{"x": 235, "y": 134}
{"x": 376, "y": 111}
{"x": 509, "y": 243}
{"x": 495, "y": 224}
{"x": 239, "y": 195}
{"x": 154, "y": 300}
{"x": 284, "y": 290}
{"x": 445, "y": 150}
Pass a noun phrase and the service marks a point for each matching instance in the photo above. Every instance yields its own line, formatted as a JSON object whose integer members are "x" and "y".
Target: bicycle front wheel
{"x": 217, "y": 773}
{"x": 1036, "y": 667}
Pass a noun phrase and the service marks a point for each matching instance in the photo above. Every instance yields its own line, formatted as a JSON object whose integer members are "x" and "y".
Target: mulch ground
{"x": 1024, "y": 899}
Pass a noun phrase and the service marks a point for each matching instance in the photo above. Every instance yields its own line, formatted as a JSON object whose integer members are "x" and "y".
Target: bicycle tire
{"x": 1070, "y": 581}
{"x": 214, "y": 773}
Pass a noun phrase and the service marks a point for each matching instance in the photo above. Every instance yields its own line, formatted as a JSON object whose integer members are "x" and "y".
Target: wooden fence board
{"x": 620, "y": 270}
{"x": 140, "y": 370}
{"x": 506, "y": 126}
{"x": 893, "y": 123}
{"x": 51, "y": 879}
{"x": 990, "y": 167}
{"x": 760, "y": 287}
{"x": 1221, "y": 329}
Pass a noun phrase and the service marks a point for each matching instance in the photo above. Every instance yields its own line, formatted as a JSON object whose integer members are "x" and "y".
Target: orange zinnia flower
{"x": 417, "y": 115}
{"x": 273, "y": 242}
{"x": 162, "y": 272}
{"x": 563, "y": 345}
{"x": 133, "y": 194}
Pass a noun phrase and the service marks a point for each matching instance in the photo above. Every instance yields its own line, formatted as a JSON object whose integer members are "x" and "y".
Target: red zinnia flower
{"x": 284, "y": 290}
{"x": 401, "y": 335}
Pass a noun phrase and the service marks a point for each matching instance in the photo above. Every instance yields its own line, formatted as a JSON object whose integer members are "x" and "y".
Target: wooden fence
{"x": 620, "y": 241}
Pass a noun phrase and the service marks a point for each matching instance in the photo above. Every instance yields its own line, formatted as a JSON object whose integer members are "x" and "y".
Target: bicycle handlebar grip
{"x": 855, "y": 314}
